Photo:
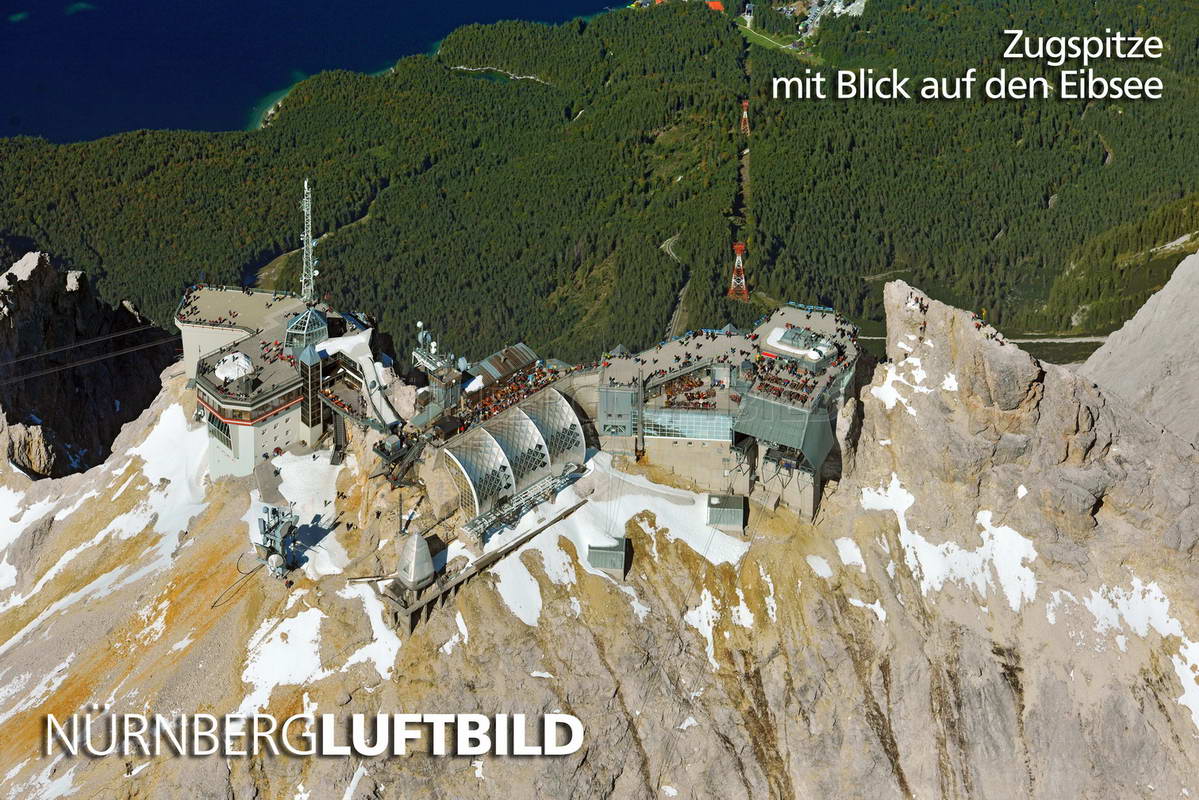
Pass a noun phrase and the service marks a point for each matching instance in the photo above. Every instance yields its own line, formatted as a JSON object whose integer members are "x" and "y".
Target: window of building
{"x": 219, "y": 430}
{"x": 686, "y": 424}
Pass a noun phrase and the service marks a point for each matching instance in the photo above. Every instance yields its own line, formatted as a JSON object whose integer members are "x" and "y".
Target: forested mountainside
{"x": 983, "y": 202}
{"x": 521, "y": 183}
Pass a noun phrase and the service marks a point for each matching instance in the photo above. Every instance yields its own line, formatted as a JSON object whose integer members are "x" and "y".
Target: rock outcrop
{"x": 1035, "y": 567}
{"x": 1152, "y": 361}
{"x": 996, "y": 600}
{"x": 53, "y": 422}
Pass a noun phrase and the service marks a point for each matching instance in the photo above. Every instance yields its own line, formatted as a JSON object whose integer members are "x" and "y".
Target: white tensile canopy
{"x": 234, "y": 366}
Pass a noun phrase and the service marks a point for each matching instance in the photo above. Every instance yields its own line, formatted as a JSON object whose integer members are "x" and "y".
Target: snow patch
{"x": 463, "y": 635}
{"x": 771, "y": 603}
{"x": 1002, "y": 555}
{"x": 1055, "y": 601}
{"x": 876, "y": 607}
{"x": 45, "y": 687}
{"x": 740, "y": 613}
{"x": 703, "y": 619}
{"x": 889, "y": 394}
{"x": 1144, "y": 607}
{"x": 311, "y": 486}
{"x": 154, "y": 621}
{"x": 518, "y": 588}
{"x": 282, "y": 652}
{"x": 382, "y": 650}
{"x": 353, "y": 785}
{"x": 19, "y": 271}
{"x": 820, "y": 566}
{"x": 851, "y": 555}
{"x": 174, "y": 462}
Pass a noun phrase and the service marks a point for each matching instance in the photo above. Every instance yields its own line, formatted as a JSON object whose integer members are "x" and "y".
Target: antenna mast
{"x": 308, "y": 279}
{"x": 737, "y": 287}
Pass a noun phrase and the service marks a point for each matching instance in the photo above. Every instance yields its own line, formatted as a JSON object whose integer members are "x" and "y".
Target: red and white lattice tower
{"x": 745, "y": 117}
{"x": 737, "y": 288}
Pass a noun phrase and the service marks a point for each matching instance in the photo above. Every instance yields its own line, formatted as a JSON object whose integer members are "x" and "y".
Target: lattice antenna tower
{"x": 745, "y": 117}
{"x": 308, "y": 279}
{"x": 737, "y": 287}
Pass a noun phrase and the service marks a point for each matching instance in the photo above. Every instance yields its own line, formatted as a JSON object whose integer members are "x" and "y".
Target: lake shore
{"x": 262, "y": 112}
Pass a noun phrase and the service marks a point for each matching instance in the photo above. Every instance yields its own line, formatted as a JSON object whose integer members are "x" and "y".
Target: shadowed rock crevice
{"x": 56, "y": 421}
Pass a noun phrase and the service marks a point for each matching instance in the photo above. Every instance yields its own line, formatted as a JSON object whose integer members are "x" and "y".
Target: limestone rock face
{"x": 1152, "y": 362}
{"x": 439, "y": 488}
{"x": 65, "y": 420}
{"x": 996, "y": 600}
{"x": 1030, "y": 523}
{"x": 403, "y": 399}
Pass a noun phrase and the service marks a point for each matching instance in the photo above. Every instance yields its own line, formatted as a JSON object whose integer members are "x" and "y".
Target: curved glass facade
{"x": 515, "y": 449}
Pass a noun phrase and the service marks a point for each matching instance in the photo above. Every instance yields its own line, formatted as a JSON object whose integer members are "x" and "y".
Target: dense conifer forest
{"x": 530, "y": 196}
{"x": 983, "y": 203}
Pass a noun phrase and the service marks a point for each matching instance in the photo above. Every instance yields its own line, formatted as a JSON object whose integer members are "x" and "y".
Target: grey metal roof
{"x": 726, "y": 501}
{"x": 503, "y": 363}
{"x": 726, "y": 510}
{"x": 810, "y": 432}
{"x": 607, "y": 556}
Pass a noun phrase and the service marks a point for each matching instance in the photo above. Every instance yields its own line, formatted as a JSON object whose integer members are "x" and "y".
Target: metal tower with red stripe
{"x": 737, "y": 288}
{"x": 745, "y": 117}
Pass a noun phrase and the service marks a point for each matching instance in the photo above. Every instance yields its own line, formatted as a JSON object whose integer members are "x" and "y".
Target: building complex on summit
{"x": 737, "y": 413}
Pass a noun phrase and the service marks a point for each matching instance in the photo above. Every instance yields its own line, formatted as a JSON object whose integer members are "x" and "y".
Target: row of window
{"x": 255, "y": 413}
{"x": 684, "y": 424}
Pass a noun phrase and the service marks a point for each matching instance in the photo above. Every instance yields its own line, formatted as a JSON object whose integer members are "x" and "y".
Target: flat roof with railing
{"x": 263, "y": 317}
{"x": 794, "y": 354}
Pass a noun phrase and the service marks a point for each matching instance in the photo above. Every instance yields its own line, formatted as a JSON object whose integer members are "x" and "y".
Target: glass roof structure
{"x": 533, "y": 440}
{"x": 309, "y": 327}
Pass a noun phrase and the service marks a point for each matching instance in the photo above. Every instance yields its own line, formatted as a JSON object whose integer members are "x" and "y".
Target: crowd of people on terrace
{"x": 690, "y": 392}
{"x": 489, "y": 401}
{"x": 680, "y": 361}
{"x": 269, "y": 352}
{"x": 796, "y": 385}
{"x": 189, "y": 311}
{"x": 189, "y": 306}
{"x": 789, "y": 381}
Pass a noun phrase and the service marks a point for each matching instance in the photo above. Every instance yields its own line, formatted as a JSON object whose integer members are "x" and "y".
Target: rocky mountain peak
{"x": 961, "y": 406}
{"x": 1152, "y": 361}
